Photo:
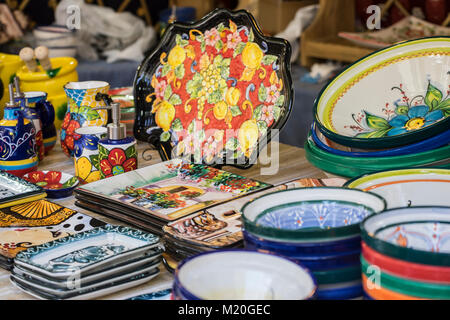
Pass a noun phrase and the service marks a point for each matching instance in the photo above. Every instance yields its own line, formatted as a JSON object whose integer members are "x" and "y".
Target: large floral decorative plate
{"x": 393, "y": 97}
{"x": 419, "y": 234}
{"x": 211, "y": 91}
{"x": 408, "y": 187}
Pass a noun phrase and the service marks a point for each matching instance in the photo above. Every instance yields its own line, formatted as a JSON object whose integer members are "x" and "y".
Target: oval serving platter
{"x": 392, "y": 97}
{"x": 407, "y": 187}
{"x": 213, "y": 90}
{"x": 418, "y": 234}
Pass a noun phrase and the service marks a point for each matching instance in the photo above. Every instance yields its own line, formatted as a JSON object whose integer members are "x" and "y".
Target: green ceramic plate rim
{"x": 312, "y": 234}
{"x": 406, "y": 286}
{"x": 354, "y": 183}
{"x": 384, "y": 142}
{"x": 402, "y": 253}
{"x": 338, "y": 275}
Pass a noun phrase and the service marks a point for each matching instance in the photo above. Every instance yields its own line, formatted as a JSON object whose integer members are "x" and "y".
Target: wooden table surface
{"x": 292, "y": 165}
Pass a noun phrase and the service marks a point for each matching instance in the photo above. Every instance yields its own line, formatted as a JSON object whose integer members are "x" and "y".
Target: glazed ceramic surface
{"x": 330, "y": 146}
{"x": 243, "y": 275}
{"x": 86, "y": 251}
{"x": 393, "y": 97}
{"x": 158, "y": 295}
{"x": 55, "y": 183}
{"x": 80, "y": 113}
{"x": 172, "y": 189}
{"x": 409, "y": 28}
{"x": 117, "y": 156}
{"x": 419, "y": 234}
{"x": 215, "y": 88}
{"x": 310, "y": 213}
{"x": 408, "y": 187}
{"x": 87, "y": 164}
{"x": 13, "y": 188}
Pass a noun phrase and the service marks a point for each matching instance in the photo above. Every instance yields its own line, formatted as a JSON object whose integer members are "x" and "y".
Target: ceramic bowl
{"x": 407, "y": 187}
{"x": 52, "y": 31}
{"x": 415, "y": 234}
{"x": 56, "y": 184}
{"x": 243, "y": 275}
{"x": 340, "y": 275}
{"x": 310, "y": 214}
{"x": 376, "y": 292}
{"x": 342, "y": 291}
{"x": 330, "y": 146}
{"x": 392, "y": 97}
{"x": 354, "y": 167}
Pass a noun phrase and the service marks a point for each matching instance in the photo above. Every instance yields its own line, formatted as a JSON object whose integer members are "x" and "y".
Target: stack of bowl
{"x": 388, "y": 110}
{"x": 406, "y": 254}
{"x": 241, "y": 275}
{"x": 317, "y": 228}
{"x": 60, "y": 41}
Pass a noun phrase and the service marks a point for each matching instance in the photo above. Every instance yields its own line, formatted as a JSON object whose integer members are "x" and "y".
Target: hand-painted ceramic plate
{"x": 243, "y": 275}
{"x": 310, "y": 214}
{"x": 212, "y": 90}
{"x": 13, "y": 188}
{"x": 407, "y": 187}
{"x": 354, "y": 167}
{"x": 87, "y": 252}
{"x": 395, "y": 96}
{"x": 419, "y": 234}
{"x": 330, "y": 146}
{"x": 56, "y": 184}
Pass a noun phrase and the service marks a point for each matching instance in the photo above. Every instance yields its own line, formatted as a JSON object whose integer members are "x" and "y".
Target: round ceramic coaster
{"x": 56, "y": 184}
{"x": 413, "y": 271}
{"x": 309, "y": 214}
{"x": 243, "y": 275}
{"x": 407, "y": 187}
{"x": 419, "y": 234}
{"x": 395, "y": 96}
{"x": 406, "y": 286}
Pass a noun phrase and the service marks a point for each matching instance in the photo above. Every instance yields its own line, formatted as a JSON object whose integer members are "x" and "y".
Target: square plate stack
{"x": 387, "y": 111}
{"x": 89, "y": 264}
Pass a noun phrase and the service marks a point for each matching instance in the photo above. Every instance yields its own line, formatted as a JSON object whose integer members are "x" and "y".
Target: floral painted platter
{"x": 57, "y": 184}
{"x": 87, "y": 252}
{"x": 417, "y": 234}
{"x": 170, "y": 190}
{"x": 409, "y": 28}
{"x": 310, "y": 214}
{"x": 13, "y": 188}
{"x": 407, "y": 187}
{"x": 212, "y": 90}
{"x": 393, "y": 97}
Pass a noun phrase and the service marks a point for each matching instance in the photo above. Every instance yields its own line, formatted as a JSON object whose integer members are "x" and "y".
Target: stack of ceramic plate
{"x": 406, "y": 254}
{"x": 317, "y": 228}
{"x": 242, "y": 275}
{"x": 89, "y": 264}
{"x": 386, "y": 111}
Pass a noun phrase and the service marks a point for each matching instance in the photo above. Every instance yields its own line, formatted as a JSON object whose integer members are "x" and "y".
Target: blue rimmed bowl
{"x": 242, "y": 275}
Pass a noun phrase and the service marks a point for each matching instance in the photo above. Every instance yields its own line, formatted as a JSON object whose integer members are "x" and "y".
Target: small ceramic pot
{"x": 117, "y": 156}
{"x": 81, "y": 100}
{"x": 86, "y": 153}
{"x": 56, "y": 184}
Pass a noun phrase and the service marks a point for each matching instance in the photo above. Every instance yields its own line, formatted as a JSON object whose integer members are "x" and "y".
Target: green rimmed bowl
{"x": 354, "y": 167}
{"x": 409, "y": 287}
{"x": 310, "y": 214}
{"x": 417, "y": 234}
{"x": 395, "y": 96}
{"x": 336, "y": 276}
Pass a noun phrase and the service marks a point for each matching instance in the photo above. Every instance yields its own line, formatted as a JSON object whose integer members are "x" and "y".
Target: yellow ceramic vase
{"x": 63, "y": 71}
{"x": 9, "y": 64}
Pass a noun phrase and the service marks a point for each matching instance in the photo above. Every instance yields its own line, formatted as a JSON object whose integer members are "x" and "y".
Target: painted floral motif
{"x": 323, "y": 215}
{"x": 408, "y": 114}
{"x": 116, "y": 161}
{"x": 216, "y": 92}
{"x": 50, "y": 180}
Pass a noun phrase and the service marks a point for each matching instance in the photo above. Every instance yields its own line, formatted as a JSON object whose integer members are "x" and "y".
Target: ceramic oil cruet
{"x": 17, "y": 140}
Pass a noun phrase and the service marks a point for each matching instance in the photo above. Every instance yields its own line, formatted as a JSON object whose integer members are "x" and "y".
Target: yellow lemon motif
{"x": 248, "y": 135}
{"x": 232, "y": 96}
{"x": 165, "y": 115}
{"x": 220, "y": 110}
{"x": 252, "y": 55}
{"x": 176, "y": 56}
{"x": 94, "y": 176}
{"x": 83, "y": 168}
